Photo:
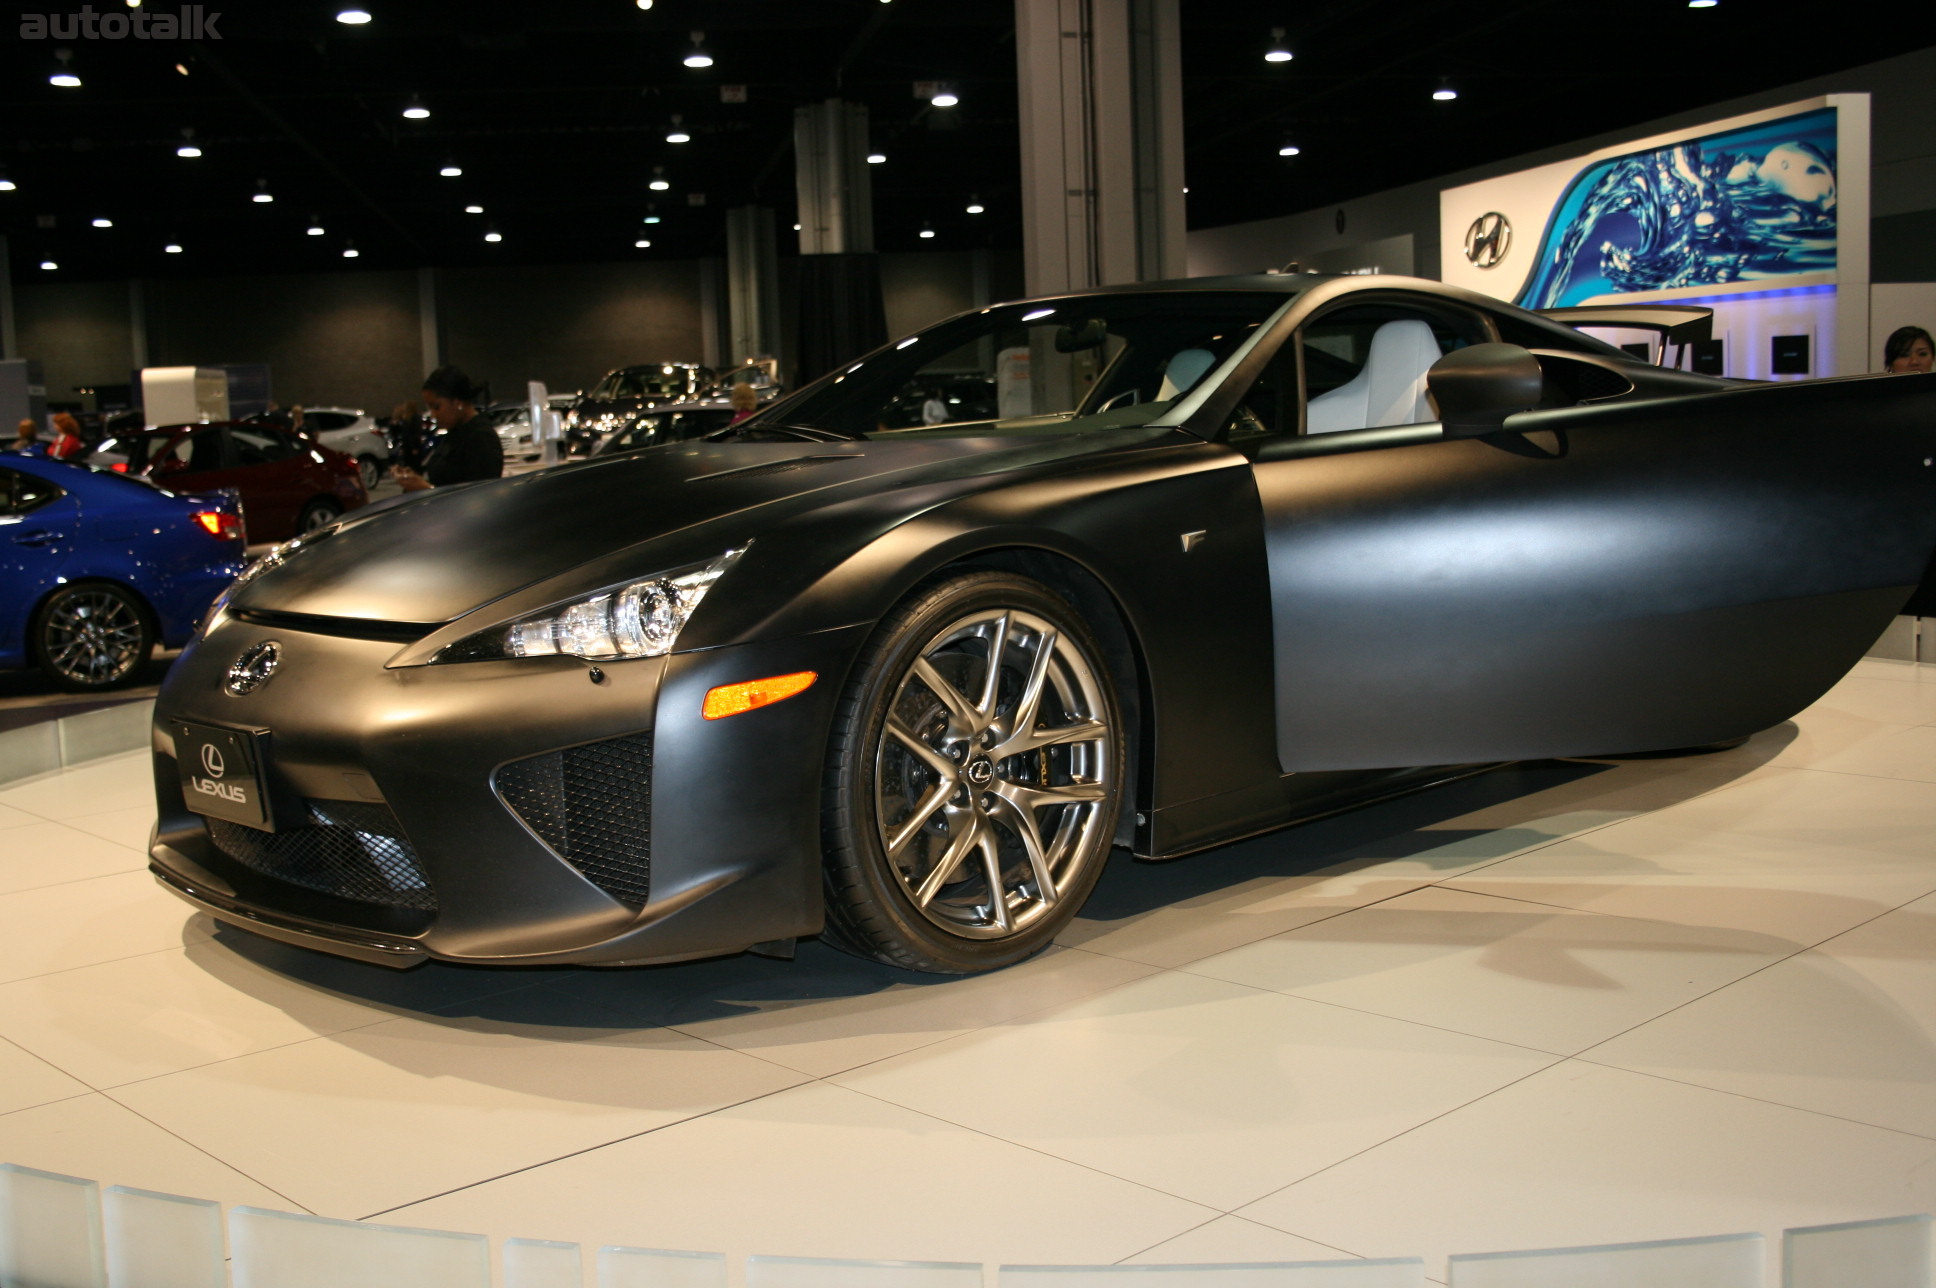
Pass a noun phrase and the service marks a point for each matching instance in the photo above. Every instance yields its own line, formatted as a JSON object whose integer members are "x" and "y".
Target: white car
{"x": 353, "y": 433}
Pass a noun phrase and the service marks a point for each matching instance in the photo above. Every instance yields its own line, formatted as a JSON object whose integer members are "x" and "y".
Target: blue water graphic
{"x": 1743, "y": 205}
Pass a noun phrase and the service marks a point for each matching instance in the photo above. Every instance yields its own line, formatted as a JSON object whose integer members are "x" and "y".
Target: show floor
{"x": 1562, "y": 1004}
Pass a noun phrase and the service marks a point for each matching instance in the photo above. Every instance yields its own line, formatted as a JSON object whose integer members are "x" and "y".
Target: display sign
{"x": 1744, "y": 205}
{"x": 1769, "y": 208}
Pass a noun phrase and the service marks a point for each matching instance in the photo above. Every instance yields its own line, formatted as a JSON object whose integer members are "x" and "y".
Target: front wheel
{"x": 370, "y": 469}
{"x": 92, "y": 636}
{"x": 975, "y": 778}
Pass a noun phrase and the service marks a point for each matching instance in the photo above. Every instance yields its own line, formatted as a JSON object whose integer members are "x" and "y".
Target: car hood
{"x": 434, "y": 558}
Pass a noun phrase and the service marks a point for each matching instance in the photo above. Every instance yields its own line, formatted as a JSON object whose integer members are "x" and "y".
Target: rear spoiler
{"x": 1676, "y": 324}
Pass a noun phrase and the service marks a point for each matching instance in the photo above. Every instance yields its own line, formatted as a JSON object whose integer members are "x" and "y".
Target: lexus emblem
{"x": 1488, "y": 240}
{"x": 980, "y": 772}
{"x": 252, "y": 670}
{"x": 212, "y": 760}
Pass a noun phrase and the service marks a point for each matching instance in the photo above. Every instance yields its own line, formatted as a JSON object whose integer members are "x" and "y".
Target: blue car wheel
{"x": 92, "y": 636}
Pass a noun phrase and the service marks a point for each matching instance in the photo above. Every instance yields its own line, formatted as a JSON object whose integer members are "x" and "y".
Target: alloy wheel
{"x": 992, "y": 773}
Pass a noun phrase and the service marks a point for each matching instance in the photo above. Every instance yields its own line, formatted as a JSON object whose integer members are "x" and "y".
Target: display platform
{"x": 1567, "y": 1003}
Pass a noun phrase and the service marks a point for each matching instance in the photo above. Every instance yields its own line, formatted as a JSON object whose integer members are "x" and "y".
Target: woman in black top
{"x": 469, "y": 449}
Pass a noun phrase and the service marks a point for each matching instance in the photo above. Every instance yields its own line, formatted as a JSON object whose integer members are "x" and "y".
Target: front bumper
{"x": 513, "y": 812}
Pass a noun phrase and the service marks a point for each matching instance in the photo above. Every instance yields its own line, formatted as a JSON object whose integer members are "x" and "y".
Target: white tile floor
{"x": 1560, "y": 1004}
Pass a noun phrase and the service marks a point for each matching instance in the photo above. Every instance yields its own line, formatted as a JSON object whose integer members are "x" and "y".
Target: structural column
{"x": 138, "y": 323}
{"x": 831, "y": 180}
{"x": 1102, "y": 142}
{"x": 9, "y": 334}
{"x": 841, "y": 315}
{"x": 752, "y": 285}
{"x": 430, "y": 326}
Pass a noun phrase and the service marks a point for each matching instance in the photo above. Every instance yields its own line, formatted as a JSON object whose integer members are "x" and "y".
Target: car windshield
{"x": 672, "y": 381}
{"x": 1093, "y": 361}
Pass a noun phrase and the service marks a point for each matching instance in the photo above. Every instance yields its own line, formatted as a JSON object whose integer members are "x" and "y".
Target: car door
{"x": 1609, "y": 579}
{"x": 39, "y": 523}
{"x": 281, "y": 471}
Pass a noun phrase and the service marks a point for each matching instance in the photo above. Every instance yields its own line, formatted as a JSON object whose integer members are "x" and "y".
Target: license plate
{"x": 222, "y": 773}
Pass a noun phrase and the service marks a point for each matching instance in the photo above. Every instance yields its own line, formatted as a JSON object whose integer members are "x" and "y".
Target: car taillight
{"x": 119, "y": 467}
{"x": 220, "y": 524}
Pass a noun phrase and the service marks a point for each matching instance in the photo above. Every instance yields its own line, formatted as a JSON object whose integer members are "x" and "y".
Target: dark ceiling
{"x": 557, "y": 114}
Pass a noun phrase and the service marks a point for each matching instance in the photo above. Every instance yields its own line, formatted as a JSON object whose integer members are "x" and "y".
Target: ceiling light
{"x": 945, "y": 97}
{"x": 353, "y": 17}
{"x": 350, "y": 251}
{"x": 796, "y": 228}
{"x": 450, "y": 169}
{"x": 493, "y": 236}
{"x": 1444, "y": 93}
{"x": 262, "y": 195}
{"x": 315, "y": 228}
{"x": 188, "y": 148}
{"x": 641, "y": 243}
{"x": 172, "y": 248}
{"x": 414, "y": 110}
{"x": 63, "y": 75}
{"x": 1278, "y": 52}
{"x": 645, "y": 4}
{"x": 49, "y": 265}
{"x": 1702, "y": 4}
{"x": 974, "y": 205}
{"x": 473, "y": 210}
{"x": 182, "y": 68}
{"x": 651, "y": 219}
{"x": 1288, "y": 149}
{"x": 926, "y": 231}
{"x": 677, "y": 134}
{"x": 104, "y": 223}
{"x": 876, "y": 158}
{"x": 698, "y": 57}
{"x": 658, "y": 183}
{"x": 6, "y": 184}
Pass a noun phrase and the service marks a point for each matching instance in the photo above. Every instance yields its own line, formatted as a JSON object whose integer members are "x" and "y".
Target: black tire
{"x": 92, "y": 636}
{"x": 319, "y": 513}
{"x": 371, "y": 469}
{"x": 971, "y": 789}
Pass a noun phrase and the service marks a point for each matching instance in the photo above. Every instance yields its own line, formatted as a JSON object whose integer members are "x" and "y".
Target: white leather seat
{"x": 1185, "y": 368}
{"x": 1388, "y": 390}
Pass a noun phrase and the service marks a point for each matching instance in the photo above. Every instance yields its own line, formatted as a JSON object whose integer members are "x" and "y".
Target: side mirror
{"x": 1477, "y": 387}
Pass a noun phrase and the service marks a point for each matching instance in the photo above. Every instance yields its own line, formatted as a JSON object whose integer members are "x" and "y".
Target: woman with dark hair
{"x": 1908, "y": 348}
{"x": 468, "y": 449}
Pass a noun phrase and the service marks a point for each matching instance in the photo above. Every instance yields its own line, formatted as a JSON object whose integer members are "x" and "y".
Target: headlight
{"x": 638, "y": 619}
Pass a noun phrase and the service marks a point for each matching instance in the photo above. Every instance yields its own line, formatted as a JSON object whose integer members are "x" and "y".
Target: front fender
{"x": 1198, "y": 616}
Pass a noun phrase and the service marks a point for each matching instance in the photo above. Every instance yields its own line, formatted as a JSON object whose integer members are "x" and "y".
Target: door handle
{"x": 36, "y": 537}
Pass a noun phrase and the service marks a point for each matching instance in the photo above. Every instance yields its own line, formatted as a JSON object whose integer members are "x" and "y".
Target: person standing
{"x": 469, "y": 449}
{"x": 745, "y": 400}
{"x": 68, "y": 443}
{"x": 1908, "y": 349}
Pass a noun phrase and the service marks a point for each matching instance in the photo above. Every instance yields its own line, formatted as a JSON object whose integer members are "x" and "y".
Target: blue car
{"x": 95, "y": 567}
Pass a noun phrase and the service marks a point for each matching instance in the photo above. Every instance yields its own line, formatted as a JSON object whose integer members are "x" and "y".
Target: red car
{"x": 288, "y": 484}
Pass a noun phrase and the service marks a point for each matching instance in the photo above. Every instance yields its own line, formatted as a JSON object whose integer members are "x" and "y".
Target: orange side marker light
{"x": 737, "y": 699}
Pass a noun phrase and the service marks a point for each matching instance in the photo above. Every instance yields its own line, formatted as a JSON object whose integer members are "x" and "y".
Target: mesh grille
{"x": 350, "y": 849}
{"x": 1598, "y": 382}
{"x": 592, "y": 804}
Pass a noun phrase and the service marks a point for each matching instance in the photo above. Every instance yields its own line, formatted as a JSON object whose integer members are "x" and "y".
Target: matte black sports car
{"x": 1229, "y": 553}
